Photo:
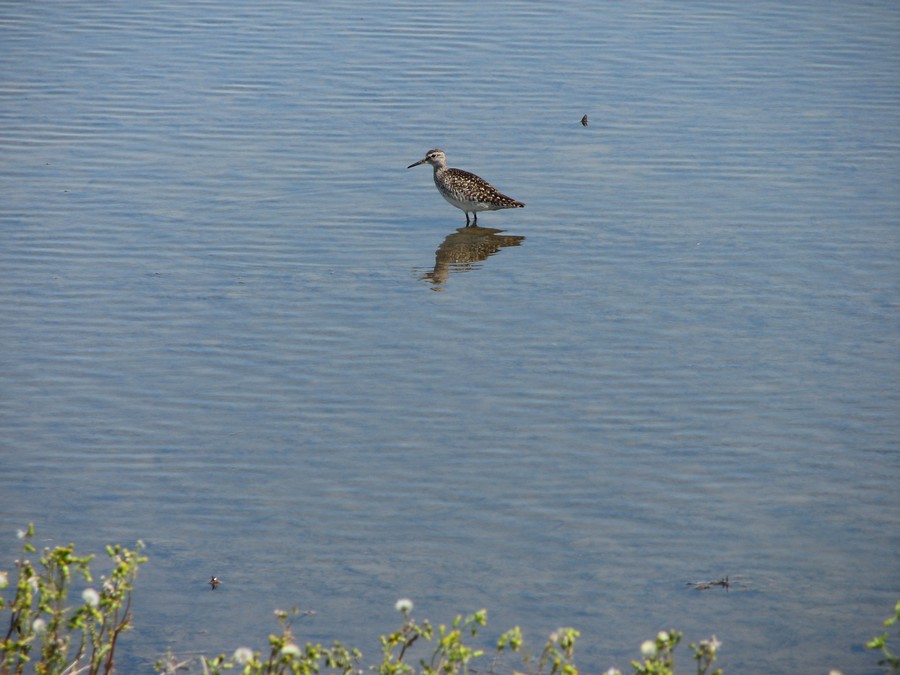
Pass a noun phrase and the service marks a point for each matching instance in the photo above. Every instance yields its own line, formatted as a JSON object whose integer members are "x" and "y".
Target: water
{"x": 225, "y": 330}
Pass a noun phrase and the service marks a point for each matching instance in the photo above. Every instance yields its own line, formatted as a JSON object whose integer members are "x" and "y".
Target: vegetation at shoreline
{"x": 46, "y": 636}
{"x": 44, "y": 630}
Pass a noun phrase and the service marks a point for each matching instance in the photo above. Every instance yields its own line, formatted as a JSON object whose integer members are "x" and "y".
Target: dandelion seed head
{"x": 404, "y": 605}
{"x": 710, "y": 645}
{"x": 90, "y": 597}
{"x": 39, "y": 625}
{"x": 291, "y": 650}
{"x": 648, "y": 649}
{"x": 243, "y": 655}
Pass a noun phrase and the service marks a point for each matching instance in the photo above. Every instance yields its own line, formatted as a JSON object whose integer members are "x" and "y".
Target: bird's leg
{"x": 467, "y": 218}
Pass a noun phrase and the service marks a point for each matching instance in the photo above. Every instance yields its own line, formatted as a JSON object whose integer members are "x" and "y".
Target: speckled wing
{"x": 463, "y": 186}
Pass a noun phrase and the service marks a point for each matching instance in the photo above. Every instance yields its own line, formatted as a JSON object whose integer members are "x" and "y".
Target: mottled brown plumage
{"x": 465, "y": 190}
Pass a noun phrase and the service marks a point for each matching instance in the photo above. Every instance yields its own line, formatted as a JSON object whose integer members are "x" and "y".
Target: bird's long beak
{"x": 421, "y": 161}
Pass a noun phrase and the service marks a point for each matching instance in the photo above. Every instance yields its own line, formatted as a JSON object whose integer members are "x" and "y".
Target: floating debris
{"x": 706, "y": 585}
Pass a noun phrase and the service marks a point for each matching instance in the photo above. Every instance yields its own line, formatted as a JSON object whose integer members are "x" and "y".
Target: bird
{"x": 214, "y": 582}
{"x": 465, "y": 190}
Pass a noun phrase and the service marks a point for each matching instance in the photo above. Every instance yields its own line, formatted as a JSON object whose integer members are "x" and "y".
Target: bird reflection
{"x": 465, "y": 247}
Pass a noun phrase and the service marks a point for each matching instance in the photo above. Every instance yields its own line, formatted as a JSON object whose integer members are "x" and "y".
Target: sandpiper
{"x": 465, "y": 190}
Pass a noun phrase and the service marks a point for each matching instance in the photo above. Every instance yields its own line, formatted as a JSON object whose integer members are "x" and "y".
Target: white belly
{"x": 469, "y": 206}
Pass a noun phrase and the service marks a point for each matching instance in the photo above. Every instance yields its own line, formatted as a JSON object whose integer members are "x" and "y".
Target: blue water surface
{"x": 226, "y": 330}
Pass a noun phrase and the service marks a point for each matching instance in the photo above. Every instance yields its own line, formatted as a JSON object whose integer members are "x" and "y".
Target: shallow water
{"x": 227, "y": 331}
